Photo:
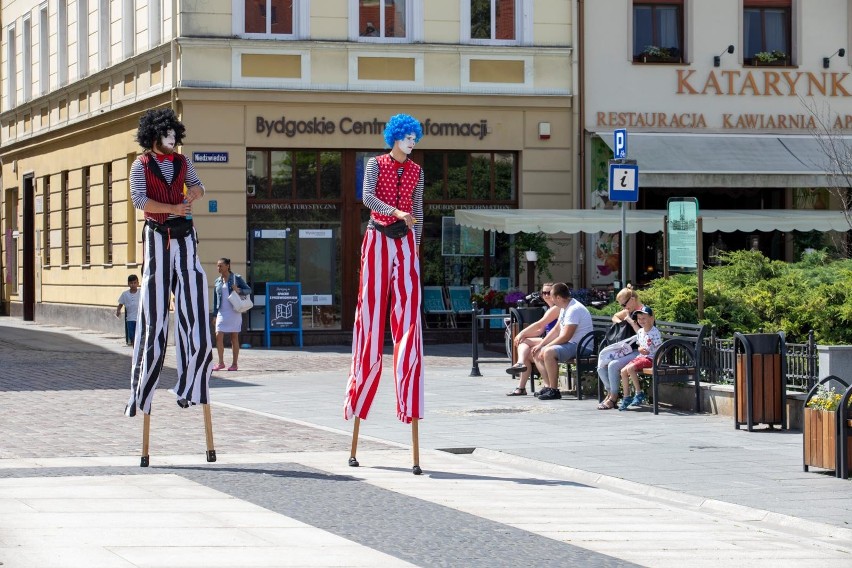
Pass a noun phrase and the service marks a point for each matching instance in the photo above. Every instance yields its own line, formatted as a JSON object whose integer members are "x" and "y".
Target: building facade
{"x": 284, "y": 101}
{"x": 721, "y": 100}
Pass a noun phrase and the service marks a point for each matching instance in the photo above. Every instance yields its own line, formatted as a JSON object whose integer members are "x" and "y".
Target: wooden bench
{"x": 678, "y": 359}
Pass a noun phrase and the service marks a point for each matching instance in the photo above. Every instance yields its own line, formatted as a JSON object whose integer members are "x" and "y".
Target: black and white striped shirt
{"x": 139, "y": 189}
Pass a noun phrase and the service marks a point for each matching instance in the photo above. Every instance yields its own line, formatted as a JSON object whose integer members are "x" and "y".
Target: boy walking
{"x": 648, "y": 339}
{"x": 130, "y": 300}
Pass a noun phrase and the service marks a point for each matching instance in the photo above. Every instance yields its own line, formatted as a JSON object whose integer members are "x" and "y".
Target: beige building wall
{"x": 219, "y": 79}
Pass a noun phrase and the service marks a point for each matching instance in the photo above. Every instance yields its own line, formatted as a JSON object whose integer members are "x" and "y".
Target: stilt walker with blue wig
{"x": 390, "y": 279}
{"x": 163, "y": 184}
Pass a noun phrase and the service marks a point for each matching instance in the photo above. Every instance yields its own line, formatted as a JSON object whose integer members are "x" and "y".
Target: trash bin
{"x": 760, "y": 387}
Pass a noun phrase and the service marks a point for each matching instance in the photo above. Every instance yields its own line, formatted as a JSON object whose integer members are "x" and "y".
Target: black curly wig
{"x": 154, "y": 124}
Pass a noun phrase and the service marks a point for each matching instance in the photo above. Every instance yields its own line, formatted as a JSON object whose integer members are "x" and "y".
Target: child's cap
{"x": 644, "y": 310}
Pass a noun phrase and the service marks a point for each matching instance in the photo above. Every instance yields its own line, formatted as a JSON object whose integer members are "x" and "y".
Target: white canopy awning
{"x": 687, "y": 160}
{"x": 645, "y": 221}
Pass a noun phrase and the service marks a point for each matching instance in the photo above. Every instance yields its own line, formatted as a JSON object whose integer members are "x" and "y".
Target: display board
{"x": 283, "y": 309}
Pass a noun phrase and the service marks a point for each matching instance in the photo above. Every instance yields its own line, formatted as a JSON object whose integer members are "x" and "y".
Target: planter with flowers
{"x": 822, "y": 428}
{"x": 655, "y": 54}
{"x": 491, "y": 301}
{"x": 773, "y": 58}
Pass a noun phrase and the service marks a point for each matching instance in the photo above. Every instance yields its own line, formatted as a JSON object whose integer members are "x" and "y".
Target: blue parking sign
{"x": 619, "y": 144}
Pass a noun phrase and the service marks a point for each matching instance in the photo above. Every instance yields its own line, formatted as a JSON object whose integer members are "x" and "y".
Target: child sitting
{"x": 648, "y": 339}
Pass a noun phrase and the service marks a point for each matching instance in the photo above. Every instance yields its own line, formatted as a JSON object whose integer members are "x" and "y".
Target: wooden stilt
{"x": 146, "y": 430}
{"x": 415, "y": 446}
{"x": 208, "y": 430}
{"x": 352, "y": 461}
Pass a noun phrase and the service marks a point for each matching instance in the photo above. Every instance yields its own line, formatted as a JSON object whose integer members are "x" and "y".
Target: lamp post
{"x": 532, "y": 257}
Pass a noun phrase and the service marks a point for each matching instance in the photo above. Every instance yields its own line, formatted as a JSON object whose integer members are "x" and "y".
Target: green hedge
{"x": 750, "y": 293}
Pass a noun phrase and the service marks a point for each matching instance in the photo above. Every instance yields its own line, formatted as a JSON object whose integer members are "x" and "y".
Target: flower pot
{"x": 820, "y": 438}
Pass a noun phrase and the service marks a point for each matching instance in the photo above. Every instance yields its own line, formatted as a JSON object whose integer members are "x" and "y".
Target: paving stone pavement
{"x": 541, "y": 487}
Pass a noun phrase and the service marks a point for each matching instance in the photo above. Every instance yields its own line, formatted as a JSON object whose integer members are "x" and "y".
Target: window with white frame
{"x": 82, "y": 38}
{"x": 103, "y": 33}
{"x": 62, "y": 42}
{"x": 27, "y": 56}
{"x": 384, "y": 19}
{"x": 496, "y": 22}
{"x": 11, "y": 68}
{"x": 271, "y": 18}
{"x": 43, "y": 50}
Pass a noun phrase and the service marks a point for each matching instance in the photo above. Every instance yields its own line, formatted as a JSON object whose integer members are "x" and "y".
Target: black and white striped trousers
{"x": 171, "y": 266}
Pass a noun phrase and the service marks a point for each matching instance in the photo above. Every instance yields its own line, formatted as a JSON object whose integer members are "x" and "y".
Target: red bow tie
{"x": 161, "y": 157}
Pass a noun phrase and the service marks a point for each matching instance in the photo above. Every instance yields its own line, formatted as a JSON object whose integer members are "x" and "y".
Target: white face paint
{"x": 406, "y": 145}
{"x": 167, "y": 142}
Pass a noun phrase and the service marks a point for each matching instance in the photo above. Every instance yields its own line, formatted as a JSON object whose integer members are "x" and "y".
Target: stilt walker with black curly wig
{"x": 163, "y": 184}
{"x": 390, "y": 277}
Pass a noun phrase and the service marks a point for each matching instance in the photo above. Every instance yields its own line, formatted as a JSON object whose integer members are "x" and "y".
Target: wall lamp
{"x": 717, "y": 59}
{"x": 826, "y": 60}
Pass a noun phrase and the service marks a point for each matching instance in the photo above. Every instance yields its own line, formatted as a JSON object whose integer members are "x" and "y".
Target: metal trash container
{"x": 760, "y": 386}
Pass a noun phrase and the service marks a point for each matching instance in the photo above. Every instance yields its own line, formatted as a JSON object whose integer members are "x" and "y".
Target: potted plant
{"x": 655, "y": 54}
{"x": 820, "y": 427}
{"x": 769, "y": 58}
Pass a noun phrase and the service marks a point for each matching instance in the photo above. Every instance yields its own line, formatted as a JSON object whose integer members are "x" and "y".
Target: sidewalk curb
{"x": 835, "y": 535}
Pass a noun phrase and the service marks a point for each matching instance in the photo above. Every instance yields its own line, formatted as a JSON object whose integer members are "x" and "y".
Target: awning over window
{"x": 645, "y": 221}
{"x": 727, "y": 160}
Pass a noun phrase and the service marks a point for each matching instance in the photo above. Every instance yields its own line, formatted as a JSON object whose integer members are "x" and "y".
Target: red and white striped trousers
{"x": 390, "y": 273}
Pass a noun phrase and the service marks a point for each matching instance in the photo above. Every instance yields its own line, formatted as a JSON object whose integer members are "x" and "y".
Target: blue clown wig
{"x": 401, "y": 125}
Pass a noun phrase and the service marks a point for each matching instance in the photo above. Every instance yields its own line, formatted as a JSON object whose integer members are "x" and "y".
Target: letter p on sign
{"x": 619, "y": 147}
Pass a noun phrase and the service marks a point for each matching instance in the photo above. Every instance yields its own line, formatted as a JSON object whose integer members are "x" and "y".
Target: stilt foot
{"x": 211, "y": 455}
{"x": 416, "y": 470}
{"x": 144, "y": 461}
{"x": 353, "y": 462}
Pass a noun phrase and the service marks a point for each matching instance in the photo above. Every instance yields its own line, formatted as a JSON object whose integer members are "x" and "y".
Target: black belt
{"x": 176, "y": 228}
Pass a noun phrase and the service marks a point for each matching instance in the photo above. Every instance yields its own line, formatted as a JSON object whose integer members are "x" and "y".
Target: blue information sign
{"x": 623, "y": 182}
{"x": 283, "y": 309}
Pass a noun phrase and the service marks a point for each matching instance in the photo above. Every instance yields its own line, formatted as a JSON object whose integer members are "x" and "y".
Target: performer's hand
{"x": 193, "y": 193}
{"x": 182, "y": 209}
{"x": 407, "y": 217}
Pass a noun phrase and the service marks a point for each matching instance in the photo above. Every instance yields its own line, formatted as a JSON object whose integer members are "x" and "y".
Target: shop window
{"x": 384, "y": 19}
{"x": 502, "y": 22}
{"x": 288, "y": 175}
{"x": 658, "y": 31}
{"x": 470, "y": 176}
{"x": 279, "y": 18}
{"x": 767, "y": 26}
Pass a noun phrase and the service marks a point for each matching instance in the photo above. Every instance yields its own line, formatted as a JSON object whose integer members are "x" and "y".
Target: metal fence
{"x": 802, "y": 362}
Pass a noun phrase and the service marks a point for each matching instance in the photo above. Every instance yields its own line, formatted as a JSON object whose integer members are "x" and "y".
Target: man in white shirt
{"x": 560, "y": 344}
{"x": 130, "y": 300}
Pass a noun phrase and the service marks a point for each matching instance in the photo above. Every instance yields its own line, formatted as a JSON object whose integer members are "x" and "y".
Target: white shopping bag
{"x": 615, "y": 351}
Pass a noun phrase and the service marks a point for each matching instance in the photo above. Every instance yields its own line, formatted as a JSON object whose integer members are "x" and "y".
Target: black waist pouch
{"x": 396, "y": 230}
{"x": 173, "y": 228}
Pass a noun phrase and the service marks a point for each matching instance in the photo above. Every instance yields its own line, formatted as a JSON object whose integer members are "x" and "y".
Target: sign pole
{"x": 699, "y": 240}
{"x": 624, "y": 244}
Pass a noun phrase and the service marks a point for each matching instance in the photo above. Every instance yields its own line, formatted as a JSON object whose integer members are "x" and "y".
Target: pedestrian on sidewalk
{"x": 228, "y": 320}
{"x": 163, "y": 184}
{"x": 390, "y": 277}
{"x": 130, "y": 300}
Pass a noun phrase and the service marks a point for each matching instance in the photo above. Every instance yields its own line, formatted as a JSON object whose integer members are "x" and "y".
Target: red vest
{"x": 389, "y": 185}
{"x": 158, "y": 189}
